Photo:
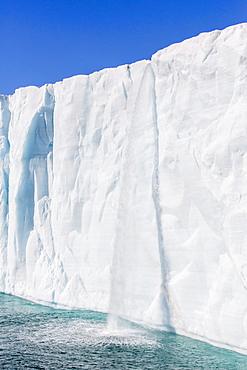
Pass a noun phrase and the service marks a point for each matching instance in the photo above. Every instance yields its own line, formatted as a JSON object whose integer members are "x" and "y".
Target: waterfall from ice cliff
{"x": 138, "y": 196}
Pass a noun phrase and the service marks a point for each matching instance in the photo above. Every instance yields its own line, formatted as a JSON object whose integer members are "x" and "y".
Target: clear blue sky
{"x": 44, "y": 41}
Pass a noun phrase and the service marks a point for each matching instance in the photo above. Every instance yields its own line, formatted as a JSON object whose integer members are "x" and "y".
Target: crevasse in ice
{"x": 125, "y": 191}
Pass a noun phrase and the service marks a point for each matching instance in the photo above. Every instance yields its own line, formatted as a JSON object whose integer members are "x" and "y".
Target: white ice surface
{"x": 125, "y": 191}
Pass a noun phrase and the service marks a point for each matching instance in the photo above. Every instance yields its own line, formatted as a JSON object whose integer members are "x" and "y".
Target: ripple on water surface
{"x": 39, "y": 337}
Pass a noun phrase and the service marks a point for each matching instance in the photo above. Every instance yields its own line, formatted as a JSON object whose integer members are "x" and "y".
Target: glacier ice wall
{"x": 125, "y": 191}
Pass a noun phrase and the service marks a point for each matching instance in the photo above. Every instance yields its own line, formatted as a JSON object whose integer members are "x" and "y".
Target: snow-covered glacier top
{"x": 125, "y": 191}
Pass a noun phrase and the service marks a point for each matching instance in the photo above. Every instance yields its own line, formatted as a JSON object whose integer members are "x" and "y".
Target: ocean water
{"x": 38, "y": 337}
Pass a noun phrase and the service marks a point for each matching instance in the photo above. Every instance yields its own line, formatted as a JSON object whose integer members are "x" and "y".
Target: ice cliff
{"x": 125, "y": 191}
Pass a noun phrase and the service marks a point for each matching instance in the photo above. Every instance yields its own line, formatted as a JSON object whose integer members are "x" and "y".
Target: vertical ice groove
{"x": 4, "y": 185}
{"x": 29, "y": 178}
{"x": 34, "y": 177}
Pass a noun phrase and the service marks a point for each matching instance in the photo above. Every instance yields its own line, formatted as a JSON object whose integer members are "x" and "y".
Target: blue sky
{"x": 45, "y": 41}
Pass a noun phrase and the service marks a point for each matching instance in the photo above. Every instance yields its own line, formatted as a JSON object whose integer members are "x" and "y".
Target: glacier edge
{"x": 125, "y": 191}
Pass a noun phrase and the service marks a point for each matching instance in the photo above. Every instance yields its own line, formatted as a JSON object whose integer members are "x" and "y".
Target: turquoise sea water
{"x": 38, "y": 337}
